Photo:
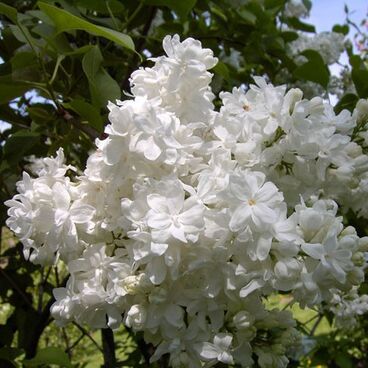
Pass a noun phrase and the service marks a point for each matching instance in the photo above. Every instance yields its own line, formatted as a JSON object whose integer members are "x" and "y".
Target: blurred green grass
{"x": 307, "y": 317}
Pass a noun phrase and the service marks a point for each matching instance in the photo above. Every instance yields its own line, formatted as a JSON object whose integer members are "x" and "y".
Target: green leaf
{"x": 356, "y": 62}
{"x": 25, "y": 67}
{"x": 103, "y": 88}
{"x": 247, "y": 16}
{"x": 41, "y": 113}
{"x": 23, "y": 59}
{"x": 289, "y": 36}
{"x": 360, "y": 79}
{"x": 307, "y": 4}
{"x": 222, "y": 69}
{"x": 9, "y": 12}
{"x": 49, "y": 356}
{"x": 314, "y": 70}
{"x": 298, "y": 24}
{"x": 92, "y": 62}
{"x": 41, "y": 16}
{"x": 86, "y": 111}
{"x": 8, "y": 353}
{"x": 348, "y": 102}
{"x": 343, "y": 360}
{"x": 79, "y": 51}
{"x": 9, "y": 91}
{"x": 65, "y": 21}
{"x": 18, "y": 34}
{"x": 180, "y": 7}
{"x": 344, "y": 29}
{"x": 275, "y": 5}
{"x": 19, "y": 143}
{"x": 216, "y": 10}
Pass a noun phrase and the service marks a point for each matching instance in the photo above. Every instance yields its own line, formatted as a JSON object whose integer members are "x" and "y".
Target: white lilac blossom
{"x": 329, "y": 44}
{"x": 347, "y": 307}
{"x": 296, "y": 8}
{"x": 186, "y": 218}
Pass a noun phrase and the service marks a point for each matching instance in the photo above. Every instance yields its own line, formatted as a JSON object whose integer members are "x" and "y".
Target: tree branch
{"x": 314, "y": 328}
{"x": 108, "y": 347}
{"x": 87, "y": 129}
{"x": 86, "y": 333}
{"x": 17, "y": 288}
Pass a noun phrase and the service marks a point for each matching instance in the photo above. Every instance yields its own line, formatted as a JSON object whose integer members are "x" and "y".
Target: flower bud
{"x": 356, "y": 276}
{"x": 358, "y": 259}
{"x": 243, "y": 320}
{"x": 136, "y": 317}
{"x": 278, "y": 349}
{"x": 363, "y": 244}
{"x": 348, "y": 231}
{"x": 133, "y": 285}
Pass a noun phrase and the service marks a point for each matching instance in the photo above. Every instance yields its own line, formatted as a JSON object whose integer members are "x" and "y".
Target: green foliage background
{"x": 63, "y": 60}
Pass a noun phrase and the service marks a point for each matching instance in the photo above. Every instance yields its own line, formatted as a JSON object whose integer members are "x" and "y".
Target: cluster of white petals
{"x": 296, "y": 8}
{"x": 186, "y": 218}
{"x": 330, "y": 45}
{"x": 347, "y": 307}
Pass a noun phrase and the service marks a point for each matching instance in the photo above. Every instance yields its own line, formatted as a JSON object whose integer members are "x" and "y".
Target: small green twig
{"x": 112, "y": 15}
{"x": 86, "y": 333}
{"x": 310, "y": 319}
{"x": 314, "y": 328}
{"x": 133, "y": 15}
{"x": 75, "y": 343}
{"x": 287, "y": 305}
{"x": 67, "y": 343}
{"x": 57, "y": 65}
{"x": 16, "y": 288}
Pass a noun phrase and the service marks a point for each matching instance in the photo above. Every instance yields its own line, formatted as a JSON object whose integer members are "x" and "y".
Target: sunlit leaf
{"x": 65, "y": 21}
{"x": 48, "y": 356}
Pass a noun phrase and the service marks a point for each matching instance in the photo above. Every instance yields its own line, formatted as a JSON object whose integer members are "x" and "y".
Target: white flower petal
{"x": 156, "y": 270}
{"x": 158, "y": 248}
{"x": 263, "y": 247}
{"x": 239, "y": 218}
{"x": 250, "y": 287}
{"x": 174, "y": 315}
{"x": 208, "y": 351}
{"x": 61, "y": 196}
{"x": 315, "y": 251}
{"x": 81, "y": 213}
{"x": 158, "y": 221}
{"x": 178, "y": 233}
